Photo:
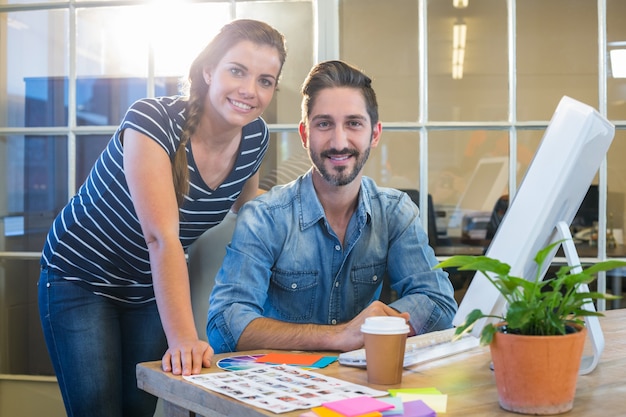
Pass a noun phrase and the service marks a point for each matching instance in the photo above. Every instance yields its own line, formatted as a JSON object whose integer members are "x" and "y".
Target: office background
{"x": 460, "y": 83}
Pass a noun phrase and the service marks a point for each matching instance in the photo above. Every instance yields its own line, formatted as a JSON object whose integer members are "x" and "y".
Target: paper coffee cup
{"x": 385, "y": 340}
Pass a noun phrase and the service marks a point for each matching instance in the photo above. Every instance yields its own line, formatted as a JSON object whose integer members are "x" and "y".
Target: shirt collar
{"x": 312, "y": 211}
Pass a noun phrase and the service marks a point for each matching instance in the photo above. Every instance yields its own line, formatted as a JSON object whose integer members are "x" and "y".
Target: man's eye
{"x": 323, "y": 124}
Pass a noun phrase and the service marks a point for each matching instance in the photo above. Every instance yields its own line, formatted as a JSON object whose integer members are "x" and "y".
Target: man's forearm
{"x": 264, "y": 333}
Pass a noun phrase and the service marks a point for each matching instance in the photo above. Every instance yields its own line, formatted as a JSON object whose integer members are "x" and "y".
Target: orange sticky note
{"x": 297, "y": 359}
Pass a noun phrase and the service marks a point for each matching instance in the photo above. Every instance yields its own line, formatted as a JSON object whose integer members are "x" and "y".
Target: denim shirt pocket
{"x": 292, "y": 295}
{"x": 366, "y": 280}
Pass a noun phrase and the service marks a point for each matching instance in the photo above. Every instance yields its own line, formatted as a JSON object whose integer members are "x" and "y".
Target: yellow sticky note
{"x": 429, "y": 390}
{"x": 438, "y": 402}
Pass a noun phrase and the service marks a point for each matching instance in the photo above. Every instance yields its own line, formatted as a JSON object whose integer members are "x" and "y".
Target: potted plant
{"x": 537, "y": 343}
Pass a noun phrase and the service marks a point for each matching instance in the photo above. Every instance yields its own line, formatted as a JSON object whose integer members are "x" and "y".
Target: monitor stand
{"x": 588, "y": 363}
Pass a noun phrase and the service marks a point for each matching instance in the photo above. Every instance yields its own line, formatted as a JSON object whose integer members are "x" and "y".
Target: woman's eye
{"x": 236, "y": 71}
{"x": 266, "y": 82}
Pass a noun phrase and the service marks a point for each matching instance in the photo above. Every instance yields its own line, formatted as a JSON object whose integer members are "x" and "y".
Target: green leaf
{"x": 534, "y": 306}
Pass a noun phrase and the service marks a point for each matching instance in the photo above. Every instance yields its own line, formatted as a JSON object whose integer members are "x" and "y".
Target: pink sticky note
{"x": 356, "y": 406}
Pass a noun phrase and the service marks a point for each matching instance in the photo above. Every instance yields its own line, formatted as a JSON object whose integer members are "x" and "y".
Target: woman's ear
{"x": 206, "y": 74}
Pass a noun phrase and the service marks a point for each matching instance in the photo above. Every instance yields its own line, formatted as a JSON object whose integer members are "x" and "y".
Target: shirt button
{"x": 294, "y": 286}
{"x": 337, "y": 284}
{"x": 333, "y": 321}
{"x": 375, "y": 278}
{"x": 337, "y": 247}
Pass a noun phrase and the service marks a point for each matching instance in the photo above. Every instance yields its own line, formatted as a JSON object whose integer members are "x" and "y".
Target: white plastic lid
{"x": 385, "y": 325}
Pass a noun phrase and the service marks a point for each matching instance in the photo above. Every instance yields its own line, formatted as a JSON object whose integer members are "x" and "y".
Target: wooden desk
{"x": 466, "y": 378}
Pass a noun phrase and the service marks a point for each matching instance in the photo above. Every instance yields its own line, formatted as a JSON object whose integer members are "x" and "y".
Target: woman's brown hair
{"x": 231, "y": 34}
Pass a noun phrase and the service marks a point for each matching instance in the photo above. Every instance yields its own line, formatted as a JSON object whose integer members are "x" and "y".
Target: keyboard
{"x": 421, "y": 348}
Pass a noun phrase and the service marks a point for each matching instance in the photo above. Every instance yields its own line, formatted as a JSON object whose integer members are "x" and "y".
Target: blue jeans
{"x": 95, "y": 344}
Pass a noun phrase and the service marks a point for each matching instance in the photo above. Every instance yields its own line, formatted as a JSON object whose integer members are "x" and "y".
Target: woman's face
{"x": 242, "y": 84}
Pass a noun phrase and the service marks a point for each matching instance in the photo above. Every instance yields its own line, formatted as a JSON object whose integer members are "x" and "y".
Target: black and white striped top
{"x": 96, "y": 240}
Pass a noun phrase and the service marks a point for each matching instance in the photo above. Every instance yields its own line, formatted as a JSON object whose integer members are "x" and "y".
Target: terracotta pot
{"x": 537, "y": 374}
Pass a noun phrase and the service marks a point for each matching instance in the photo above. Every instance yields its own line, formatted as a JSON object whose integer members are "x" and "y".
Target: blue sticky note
{"x": 398, "y": 406}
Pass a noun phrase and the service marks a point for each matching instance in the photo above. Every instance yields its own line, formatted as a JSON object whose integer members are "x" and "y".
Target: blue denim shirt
{"x": 285, "y": 262}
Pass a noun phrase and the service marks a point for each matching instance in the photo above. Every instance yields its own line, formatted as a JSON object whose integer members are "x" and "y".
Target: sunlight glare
{"x": 175, "y": 32}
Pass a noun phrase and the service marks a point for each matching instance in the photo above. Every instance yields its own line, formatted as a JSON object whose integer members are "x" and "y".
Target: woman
{"x": 114, "y": 287}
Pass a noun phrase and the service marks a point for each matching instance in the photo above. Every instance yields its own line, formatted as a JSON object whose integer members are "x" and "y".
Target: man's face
{"x": 339, "y": 134}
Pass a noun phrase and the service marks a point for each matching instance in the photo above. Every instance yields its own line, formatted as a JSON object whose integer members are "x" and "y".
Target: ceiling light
{"x": 459, "y": 36}
{"x": 618, "y": 63}
{"x": 460, "y": 4}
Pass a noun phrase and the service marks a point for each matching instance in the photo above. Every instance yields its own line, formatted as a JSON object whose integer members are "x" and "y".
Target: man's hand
{"x": 188, "y": 358}
{"x": 350, "y": 337}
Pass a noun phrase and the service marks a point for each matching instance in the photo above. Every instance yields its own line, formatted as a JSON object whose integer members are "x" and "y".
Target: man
{"x": 306, "y": 262}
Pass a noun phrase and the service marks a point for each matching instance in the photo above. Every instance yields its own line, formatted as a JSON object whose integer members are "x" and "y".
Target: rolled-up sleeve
{"x": 241, "y": 284}
{"x": 425, "y": 293}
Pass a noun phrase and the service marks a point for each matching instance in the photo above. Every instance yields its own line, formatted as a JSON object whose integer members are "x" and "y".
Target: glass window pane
{"x": 34, "y": 188}
{"x": 390, "y": 60}
{"x": 104, "y": 100}
{"x": 298, "y": 31}
{"x": 616, "y": 38}
{"x": 284, "y": 161}
{"x": 190, "y": 26}
{"x": 119, "y": 49}
{"x": 527, "y": 143}
{"x": 616, "y": 200}
{"x": 396, "y": 161}
{"x": 557, "y": 55}
{"x": 88, "y": 149}
{"x": 467, "y": 61}
{"x": 468, "y": 173}
{"x": 26, "y": 92}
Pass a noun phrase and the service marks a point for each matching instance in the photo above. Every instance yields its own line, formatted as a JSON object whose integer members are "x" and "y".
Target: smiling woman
{"x": 173, "y": 169}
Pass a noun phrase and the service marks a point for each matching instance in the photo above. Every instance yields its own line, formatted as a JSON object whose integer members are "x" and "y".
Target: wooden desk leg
{"x": 173, "y": 410}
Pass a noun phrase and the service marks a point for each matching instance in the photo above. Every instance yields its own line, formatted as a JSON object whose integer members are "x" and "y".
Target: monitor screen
{"x": 487, "y": 183}
{"x": 558, "y": 178}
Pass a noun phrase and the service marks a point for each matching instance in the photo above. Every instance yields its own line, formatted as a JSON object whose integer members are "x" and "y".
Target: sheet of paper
{"x": 281, "y": 388}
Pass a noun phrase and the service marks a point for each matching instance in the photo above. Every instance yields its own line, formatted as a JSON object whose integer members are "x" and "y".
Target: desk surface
{"x": 466, "y": 378}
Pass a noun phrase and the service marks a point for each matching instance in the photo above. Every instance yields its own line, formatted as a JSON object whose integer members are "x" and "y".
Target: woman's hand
{"x": 187, "y": 358}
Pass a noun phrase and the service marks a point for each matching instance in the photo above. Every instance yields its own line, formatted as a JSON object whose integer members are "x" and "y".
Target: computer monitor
{"x": 566, "y": 162}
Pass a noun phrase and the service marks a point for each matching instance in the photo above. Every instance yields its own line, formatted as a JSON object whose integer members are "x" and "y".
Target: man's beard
{"x": 339, "y": 176}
